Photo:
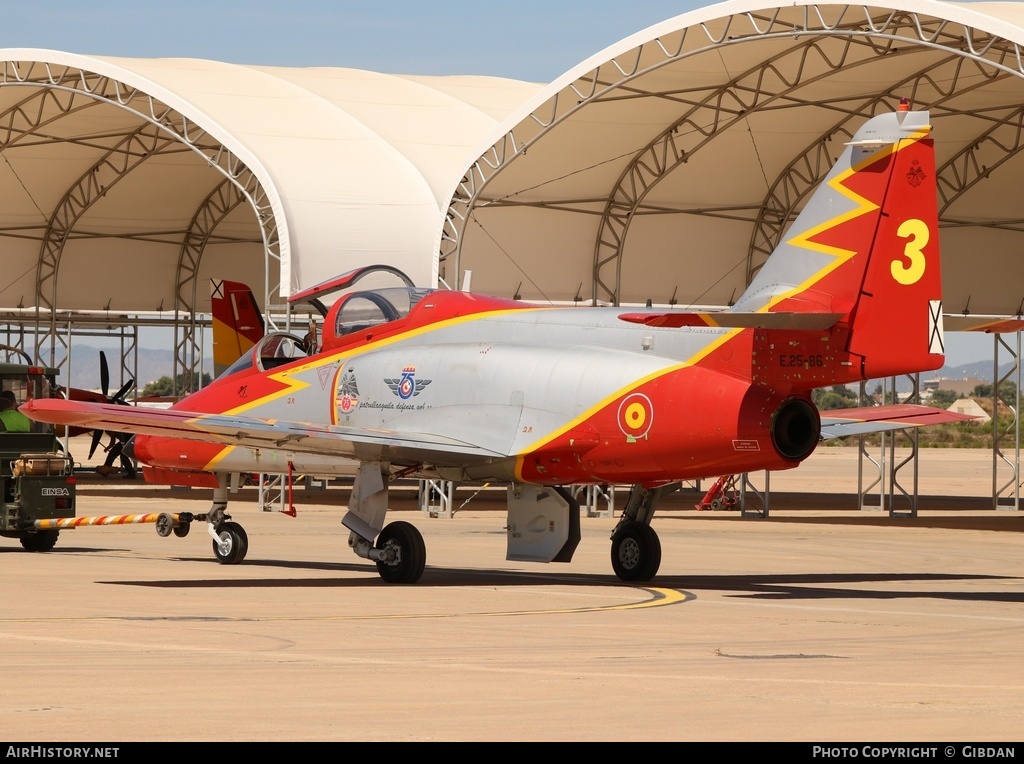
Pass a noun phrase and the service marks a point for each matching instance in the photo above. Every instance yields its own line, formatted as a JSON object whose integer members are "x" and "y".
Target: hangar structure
{"x": 128, "y": 184}
{"x": 663, "y": 169}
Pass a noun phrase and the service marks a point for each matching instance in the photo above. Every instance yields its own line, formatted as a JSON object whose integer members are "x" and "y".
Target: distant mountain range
{"x": 979, "y": 370}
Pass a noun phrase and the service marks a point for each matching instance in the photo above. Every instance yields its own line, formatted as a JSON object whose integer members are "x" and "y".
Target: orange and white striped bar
{"x": 75, "y": 522}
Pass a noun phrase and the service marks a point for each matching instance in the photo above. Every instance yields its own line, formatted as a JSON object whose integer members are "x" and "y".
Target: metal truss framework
{"x": 975, "y": 56}
{"x": 883, "y": 475}
{"x": 55, "y": 92}
{"x": 1006, "y": 494}
{"x": 187, "y": 353}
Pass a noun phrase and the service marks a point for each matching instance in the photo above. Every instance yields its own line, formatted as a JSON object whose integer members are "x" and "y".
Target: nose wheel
{"x": 231, "y": 544}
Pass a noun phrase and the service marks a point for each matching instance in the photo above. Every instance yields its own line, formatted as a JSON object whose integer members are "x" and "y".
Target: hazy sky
{"x": 526, "y": 39}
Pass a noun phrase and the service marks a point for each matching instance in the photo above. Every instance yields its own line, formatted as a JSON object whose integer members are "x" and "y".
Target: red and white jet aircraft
{"x": 469, "y": 388}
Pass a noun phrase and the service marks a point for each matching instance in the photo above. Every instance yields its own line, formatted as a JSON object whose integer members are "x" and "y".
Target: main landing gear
{"x": 399, "y": 551}
{"x": 636, "y": 549}
{"x": 636, "y": 552}
{"x": 401, "y": 554}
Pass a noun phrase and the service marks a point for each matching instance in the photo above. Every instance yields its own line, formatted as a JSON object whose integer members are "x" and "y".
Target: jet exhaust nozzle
{"x": 796, "y": 428}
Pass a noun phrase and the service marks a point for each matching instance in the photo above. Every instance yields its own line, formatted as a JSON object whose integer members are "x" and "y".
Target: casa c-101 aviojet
{"x": 470, "y": 388}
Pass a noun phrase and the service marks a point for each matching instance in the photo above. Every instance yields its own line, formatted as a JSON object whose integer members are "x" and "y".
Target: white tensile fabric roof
{"x": 663, "y": 168}
{"x": 354, "y": 167}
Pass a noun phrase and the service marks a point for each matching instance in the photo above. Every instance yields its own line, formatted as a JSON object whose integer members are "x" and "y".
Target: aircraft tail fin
{"x": 866, "y": 247}
{"x": 237, "y": 323}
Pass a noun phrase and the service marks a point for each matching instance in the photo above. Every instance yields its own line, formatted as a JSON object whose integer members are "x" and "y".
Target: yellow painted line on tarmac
{"x": 658, "y": 598}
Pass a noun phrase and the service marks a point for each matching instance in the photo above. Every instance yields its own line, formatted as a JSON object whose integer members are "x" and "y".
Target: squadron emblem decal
{"x": 348, "y": 393}
{"x": 915, "y": 175}
{"x": 407, "y": 386}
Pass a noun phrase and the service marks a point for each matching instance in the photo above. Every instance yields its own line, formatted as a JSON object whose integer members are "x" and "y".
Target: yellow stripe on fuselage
{"x": 292, "y": 385}
{"x": 608, "y": 400}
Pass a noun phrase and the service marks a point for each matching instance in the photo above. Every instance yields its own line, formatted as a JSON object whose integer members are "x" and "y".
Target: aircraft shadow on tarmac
{"x": 789, "y": 587}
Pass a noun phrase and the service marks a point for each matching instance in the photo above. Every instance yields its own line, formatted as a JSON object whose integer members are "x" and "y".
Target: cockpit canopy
{"x": 359, "y": 311}
{"x": 270, "y": 352}
{"x": 352, "y": 313}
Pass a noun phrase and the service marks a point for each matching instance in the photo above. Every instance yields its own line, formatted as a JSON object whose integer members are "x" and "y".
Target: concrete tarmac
{"x": 817, "y": 624}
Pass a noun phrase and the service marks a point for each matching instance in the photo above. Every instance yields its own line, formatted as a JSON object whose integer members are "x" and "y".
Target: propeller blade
{"x": 96, "y": 436}
{"x": 104, "y": 374}
{"x": 125, "y": 389}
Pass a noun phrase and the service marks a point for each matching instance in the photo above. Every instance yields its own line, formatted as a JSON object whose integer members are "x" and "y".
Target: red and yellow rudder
{"x": 865, "y": 249}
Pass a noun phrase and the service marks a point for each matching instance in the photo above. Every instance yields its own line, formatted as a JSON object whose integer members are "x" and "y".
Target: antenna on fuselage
{"x": 467, "y": 279}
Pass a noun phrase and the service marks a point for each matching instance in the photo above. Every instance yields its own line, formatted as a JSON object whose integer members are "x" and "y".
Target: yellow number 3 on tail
{"x": 912, "y": 273}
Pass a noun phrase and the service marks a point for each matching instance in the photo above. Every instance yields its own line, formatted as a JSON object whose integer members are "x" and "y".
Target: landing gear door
{"x": 543, "y": 524}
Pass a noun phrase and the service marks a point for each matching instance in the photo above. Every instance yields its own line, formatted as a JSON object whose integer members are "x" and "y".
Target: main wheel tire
{"x": 636, "y": 552}
{"x": 40, "y": 541}
{"x": 232, "y": 545}
{"x": 407, "y": 553}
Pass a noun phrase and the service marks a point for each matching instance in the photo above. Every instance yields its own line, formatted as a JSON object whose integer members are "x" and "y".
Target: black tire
{"x": 636, "y": 552}
{"x": 233, "y": 544}
{"x": 40, "y": 541}
{"x": 181, "y": 530}
{"x": 405, "y": 543}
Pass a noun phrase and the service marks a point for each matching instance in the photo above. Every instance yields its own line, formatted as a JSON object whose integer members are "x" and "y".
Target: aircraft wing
{"x": 249, "y": 432}
{"x": 838, "y": 423}
{"x": 354, "y": 442}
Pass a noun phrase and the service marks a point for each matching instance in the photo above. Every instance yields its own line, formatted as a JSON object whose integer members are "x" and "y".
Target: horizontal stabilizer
{"x": 839, "y": 423}
{"x": 736, "y": 320}
{"x": 987, "y": 324}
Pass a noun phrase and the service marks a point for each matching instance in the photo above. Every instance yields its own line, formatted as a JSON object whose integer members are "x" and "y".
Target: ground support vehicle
{"x": 37, "y": 481}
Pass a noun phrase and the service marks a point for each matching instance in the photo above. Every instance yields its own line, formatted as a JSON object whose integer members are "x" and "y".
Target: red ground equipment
{"x": 721, "y": 495}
